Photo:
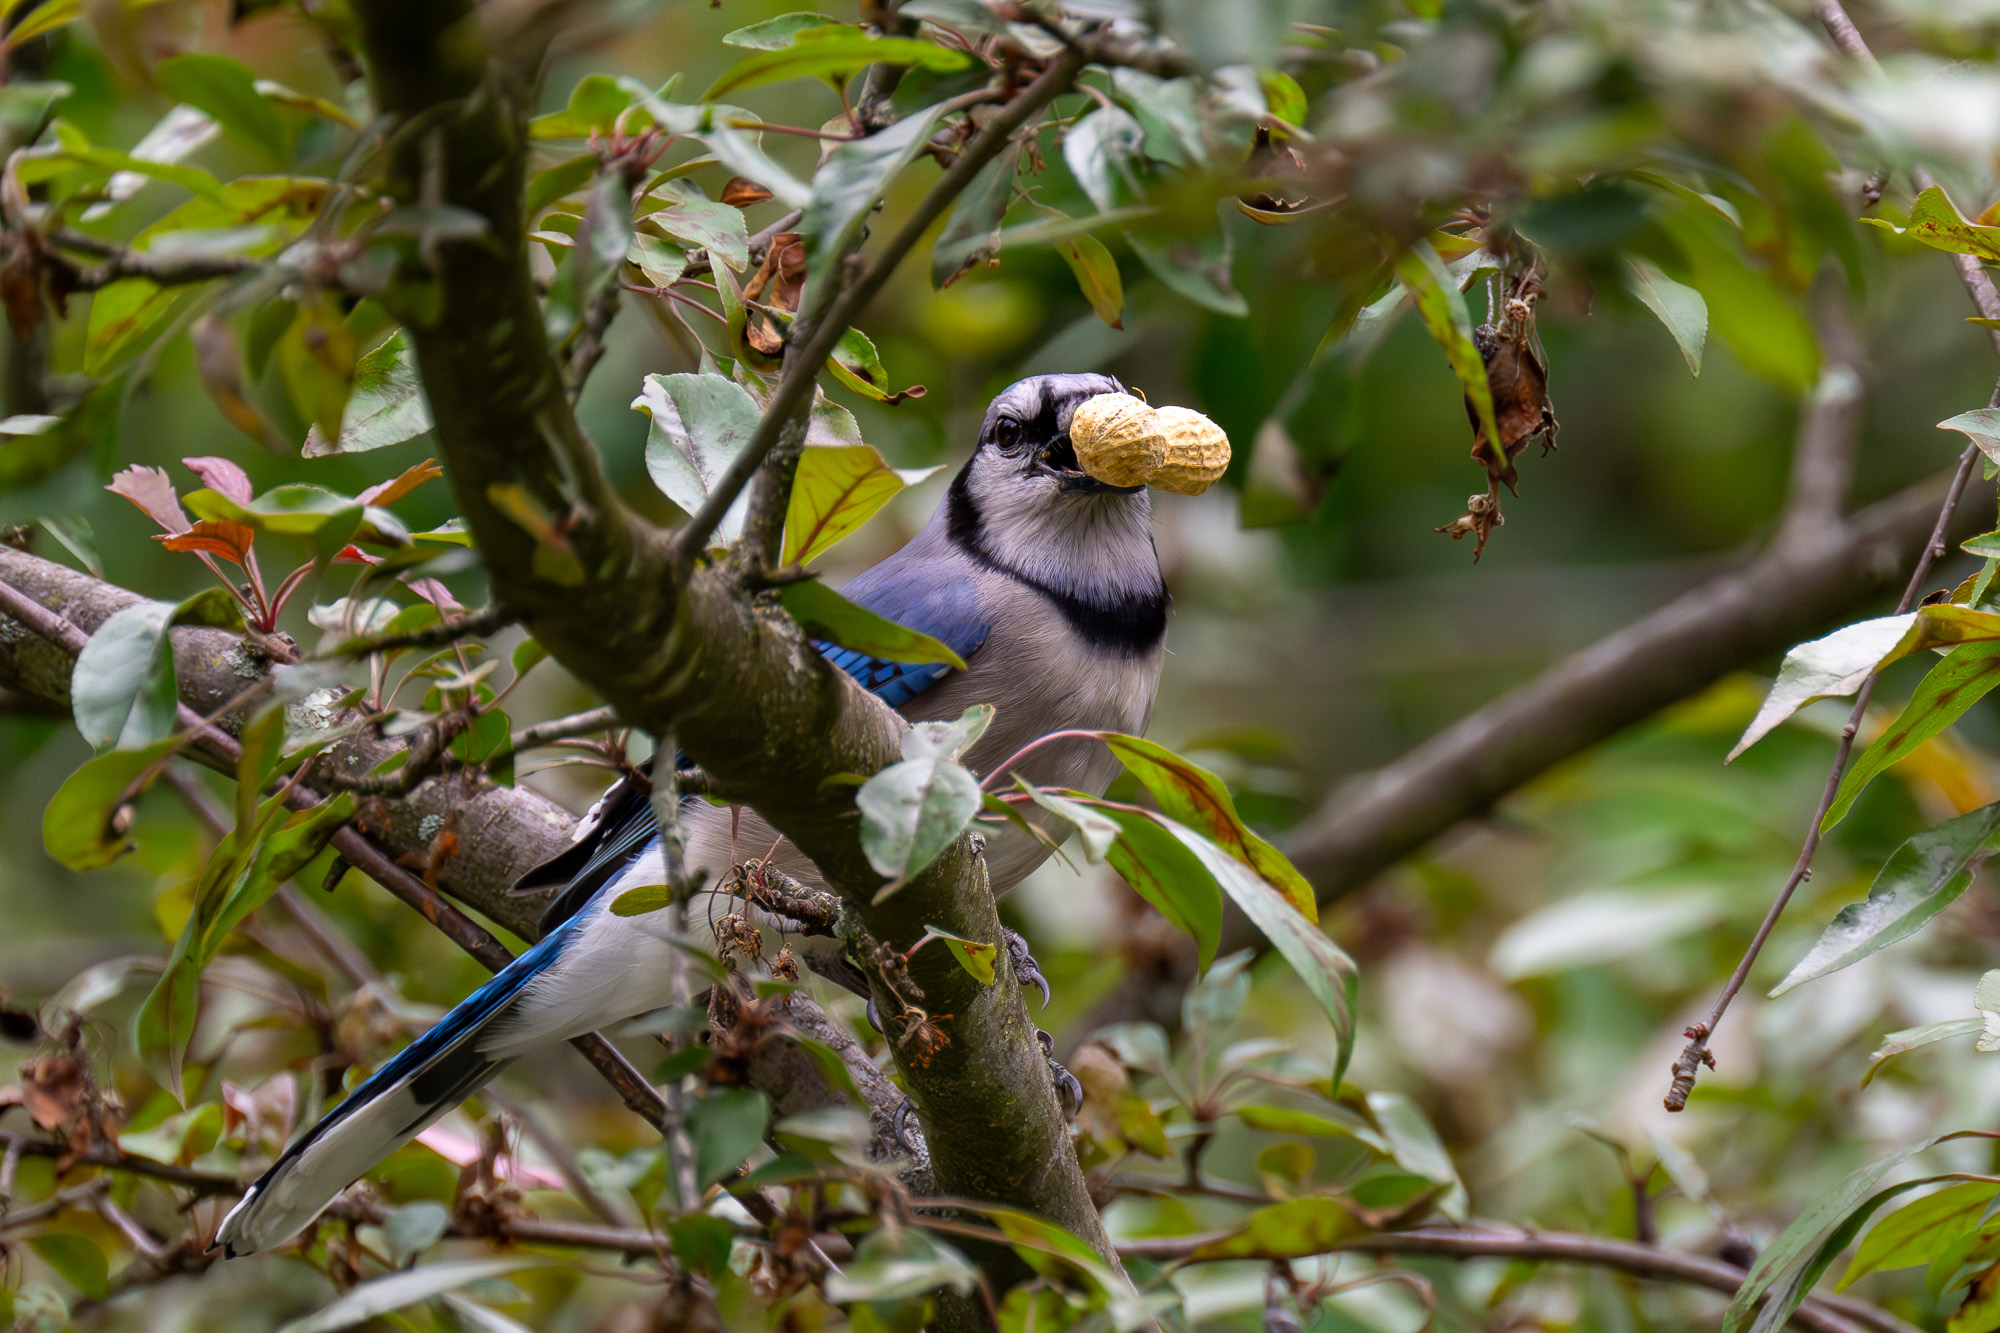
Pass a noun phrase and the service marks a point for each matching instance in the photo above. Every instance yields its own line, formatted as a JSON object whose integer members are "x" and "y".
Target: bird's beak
{"x": 1059, "y": 460}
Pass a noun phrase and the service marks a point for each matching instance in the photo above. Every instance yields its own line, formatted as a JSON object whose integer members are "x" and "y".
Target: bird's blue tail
{"x": 393, "y": 1105}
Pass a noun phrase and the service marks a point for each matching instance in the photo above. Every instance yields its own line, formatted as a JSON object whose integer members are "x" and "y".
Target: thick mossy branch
{"x": 673, "y": 648}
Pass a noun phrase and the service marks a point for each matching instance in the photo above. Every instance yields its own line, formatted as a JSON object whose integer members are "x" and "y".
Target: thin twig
{"x": 202, "y": 1182}
{"x": 562, "y": 728}
{"x": 446, "y": 631}
{"x": 1822, "y": 1314}
{"x": 123, "y": 262}
{"x": 1984, "y": 298}
{"x": 638, "y": 1095}
{"x": 794, "y": 391}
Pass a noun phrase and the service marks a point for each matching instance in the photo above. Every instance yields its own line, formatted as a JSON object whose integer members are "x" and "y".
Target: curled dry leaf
{"x": 775, "y": 286}
{"x": 1276, "y": 176}
{"x": 741, "y": 192}
{"x": 1517, "y": 371}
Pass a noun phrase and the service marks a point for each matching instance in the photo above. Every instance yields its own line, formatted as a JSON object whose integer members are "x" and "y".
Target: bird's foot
{"x": 1069, "y": 1092}
{"x": 1026, "y": 971}
{"x": 898, "y": 1125}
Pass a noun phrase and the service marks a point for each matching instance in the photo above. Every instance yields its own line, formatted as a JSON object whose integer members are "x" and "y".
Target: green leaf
{"x": 912, "y": 811}
{"x": 1981, "y": 426}
{"x": 1442, "y": 307}
{"x": 1913, "y": 1233}
{"x": 596, "y": 103}
{"x": 727, "y": 1126}
{"x": 263, "y": 744}
{"x": 1753, "y": 314}
{"x": 227, "y": 92}
{"x": 1910, "y": 1039}
{"x": 835, "y": 491}
{"x": 825, "y": 614}
{"x": 561, "y": 179}
{"x": 1161, "y": 869}
{"x": 853, "y": 177}
{"x": 122, "y": 689}
{"x": 44, "y": 18}
{"x": 1965, "y": 676}
{"x": 387, "y": 405}
{"x": 1196, "y": 267}
{"x": 1837, "y": 664}
{"x": 692, "y": 218}
{"x": 857, "y": 364}
{"x": 834, "y": 51}
{"x": 1283, "y": 97}
{"x": 700, "y": 424}
{"x": 1416, "y": 1147}
{"x": 775, "y": 34}
{"x": 245, "y": 868}
{"x": 1789, "y": 1266}
{"x": 78, "y": 1258}
{"x": 971, "y": 235}
{"x": 76, "y": 827}
{"x": 1920, "y": 879}
{"x": 1677, "y": 306}
{"x": 1328, "y": 973}
{"x": 1284, "y": 1120}
{"x": 1290, "y": 1230}
{"x": 1936, "y": 222}
{"x": 716, "y": 127}
{"x": 702, "y": 1242}
{"x": 1986, "y": 999}
{"x": 1102, "y": 152}
{"x": 899, "y": 1264}
{"x": 1096, "y": 276}
{"x": 972, "y": 955}
{"x": 642, "y": 900}
{"x": 120, "y": 315}
{"x": 1190, "y": 794}
{"x": 379, "y": 1296}
{"x": 1095, "y": 829}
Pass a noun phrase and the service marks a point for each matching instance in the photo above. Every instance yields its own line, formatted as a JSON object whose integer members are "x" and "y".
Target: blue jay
{"x": 1042, "y": 578}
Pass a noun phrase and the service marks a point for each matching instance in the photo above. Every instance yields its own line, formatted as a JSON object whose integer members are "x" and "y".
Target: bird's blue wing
{"x": 949, "y": 611}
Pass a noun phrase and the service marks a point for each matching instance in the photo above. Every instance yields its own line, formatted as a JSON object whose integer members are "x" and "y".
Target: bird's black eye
{"x": 1007, "y": 432}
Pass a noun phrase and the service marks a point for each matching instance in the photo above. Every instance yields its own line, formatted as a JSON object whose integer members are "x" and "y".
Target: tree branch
{"x": 123, "y": 262}
{"x": 1777, "y": 598}
{"x": 678, "y": 646}
{"x": 1818, "y": 1314}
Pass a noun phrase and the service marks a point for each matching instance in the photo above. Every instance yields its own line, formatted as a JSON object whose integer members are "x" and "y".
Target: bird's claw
{"x": 896, "y": 1125}
{"x": 875, "y": 1019}
{"x": 1026, "y": 970}
{"x": 1069, "y": 1092}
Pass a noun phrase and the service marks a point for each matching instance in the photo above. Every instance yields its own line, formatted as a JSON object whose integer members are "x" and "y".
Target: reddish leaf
{"x": 148, "y": 488}
{"x": 389, "y": 492}
{"x": 354, "y": 555}
{"x": 741, "y": 192}
{"x": 216, "y": 536}
{"x": 223, "y": 477}
{"x": 436, "y": 594}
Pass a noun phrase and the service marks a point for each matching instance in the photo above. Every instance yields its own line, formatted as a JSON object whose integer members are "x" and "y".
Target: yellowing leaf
{"x": 837, "y": 489}
{"x": 1936, "y": 222}
{"x": 1097, "y": 275}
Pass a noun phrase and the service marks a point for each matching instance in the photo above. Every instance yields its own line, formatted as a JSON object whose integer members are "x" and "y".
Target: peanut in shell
{"x": 1196, "y": 454}
{"x": 1117, "y": 439}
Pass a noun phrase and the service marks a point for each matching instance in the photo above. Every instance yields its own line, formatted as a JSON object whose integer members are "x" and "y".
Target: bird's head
{"x": 1023, "y": 504}
{"x": 1025, "y": 453}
